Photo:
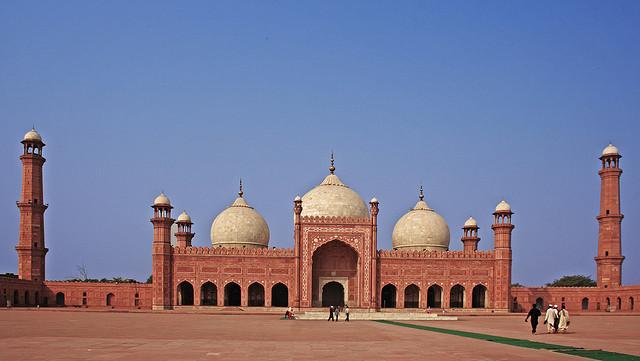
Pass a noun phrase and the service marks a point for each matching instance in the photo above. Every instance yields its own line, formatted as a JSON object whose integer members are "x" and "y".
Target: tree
{"x": 516, "y": 285}
{"x": 83, "y": 272}
{"x": 150, "y": 279}
{"x": 573, "y": 281}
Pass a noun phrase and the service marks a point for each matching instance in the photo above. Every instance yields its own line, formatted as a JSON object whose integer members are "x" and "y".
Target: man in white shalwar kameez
{"x": 564, "y": 319}
{"x": 550, "y": 317}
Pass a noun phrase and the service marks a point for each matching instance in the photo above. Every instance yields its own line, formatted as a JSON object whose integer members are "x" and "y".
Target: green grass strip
{"x": 570, "y": 350}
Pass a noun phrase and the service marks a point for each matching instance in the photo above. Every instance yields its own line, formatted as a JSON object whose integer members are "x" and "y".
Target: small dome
{"x": 32, "y": 135}
{"x": 374, "y": 200}
{"x": 503, "y": 207}
{"x": 610, "y": 150}
{"x": 162, "y": 200}
{"x": 239, "y": 226}
{"x": 421, "y": 228}
{"x": 471, "y": 222}
{"x": 297, "y": 198}
{"x": 332, "y": 198}
{"x": 184, "y": 217}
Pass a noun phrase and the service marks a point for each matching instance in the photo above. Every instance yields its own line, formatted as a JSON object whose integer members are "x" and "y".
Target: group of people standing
{"x": 554, "y": 319}
{"x": 334, "y": 313}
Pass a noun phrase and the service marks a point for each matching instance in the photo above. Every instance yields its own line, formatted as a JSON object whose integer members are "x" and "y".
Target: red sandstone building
{"x": 334, "y": 259}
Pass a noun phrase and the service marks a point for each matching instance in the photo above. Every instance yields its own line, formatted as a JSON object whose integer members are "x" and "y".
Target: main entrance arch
{"x": 335, "y": 275}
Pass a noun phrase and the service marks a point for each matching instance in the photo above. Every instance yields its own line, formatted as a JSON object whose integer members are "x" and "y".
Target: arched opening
{"x": 232, "y": 294}
{"x": 27, "y": 301}
{"x": 136, "y": 300}
{"x": 479, "y": 297}
{"x": 209, "y": 294}
{"x": 388, "y": 297}
{"x": 619, "y": 308}
{"x": 631, "y": 303}
{"x": 332, "y": 294}
{"x": 59, "y": 299}
{"x": 16, "y": 298}
{"x": 434, "y": 296}
{"x": 540, "y": 303}
{"x": 111, "y": 298}
{"x": 279, "y": 295}
{"x": 608, "y": 305}
{"x": 84, "y": 298}
{"x": 412, "y": 296}
{"x": 37, "y": 298}
{"x": 185, "y": 294}
{"x": 585, "y": 304}
{"x": 335, "y": 261}
{"x": 256, "y": 295}
{"x": 456, "y": 297}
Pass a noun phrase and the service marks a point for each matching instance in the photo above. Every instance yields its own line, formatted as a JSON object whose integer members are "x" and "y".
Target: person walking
{"x": 337, "y": 312}
{"x": 534, "y": 313}
{"x": 550, "y": 318}
{"x": 563, "y": 325}
{"x": 556, "y": 321}
{"x": 346, "y": 312}
{"x": 330, "y": 314}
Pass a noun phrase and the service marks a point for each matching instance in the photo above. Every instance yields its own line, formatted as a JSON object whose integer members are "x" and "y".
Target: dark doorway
{"x": 256, "y": 295}
{"x": 412, "y": 296}
{"x": 479, "y": 297}
{"x": 27, "y": 301}
{"x": 388, "y": 299}
{"x": 209, "y": 294}
{"x": 185, "y": 294}
{"x": 434, "y": 296}
{"x": 16, "y": 298}
{"x": 111, "y": 299}
{"x": 59, "y": 299}
{"x": 332, "y": 294}
{"x": 37, "y": 298}
{"x": 335, "y": 260}
{"x": 456, "y": 298}
{"x": 585, "y": 304}
{"x": 279, "y": 295}
{"x": 232, "y": 294}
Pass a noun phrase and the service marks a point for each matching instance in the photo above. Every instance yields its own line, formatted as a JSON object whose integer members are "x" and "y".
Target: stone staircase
{"x": 370, "y": 316}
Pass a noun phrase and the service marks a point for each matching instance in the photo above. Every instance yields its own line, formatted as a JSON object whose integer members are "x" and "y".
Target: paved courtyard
{"x": 60, "y": 335}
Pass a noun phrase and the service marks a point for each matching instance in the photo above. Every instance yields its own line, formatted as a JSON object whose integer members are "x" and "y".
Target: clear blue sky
{"x": 476, "y": 100}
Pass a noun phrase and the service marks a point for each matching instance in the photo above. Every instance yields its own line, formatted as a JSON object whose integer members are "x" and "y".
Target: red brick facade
{"x": 334, "y": 260}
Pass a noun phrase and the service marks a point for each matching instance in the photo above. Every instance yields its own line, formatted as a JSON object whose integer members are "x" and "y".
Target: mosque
{"x": 334, "y": 260}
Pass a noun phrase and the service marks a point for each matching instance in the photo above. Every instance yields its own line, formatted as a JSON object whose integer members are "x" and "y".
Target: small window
{"x": 607, "y": 212}
{"x": 35, "y": 244}
{"x": 606, "y": 253}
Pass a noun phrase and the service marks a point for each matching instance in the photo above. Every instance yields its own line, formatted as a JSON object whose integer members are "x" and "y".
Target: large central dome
{"x": 332, "y": 198}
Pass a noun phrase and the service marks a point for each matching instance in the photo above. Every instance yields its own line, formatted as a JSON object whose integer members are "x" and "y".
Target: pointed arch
{"x": 232, "y": 294}
{"x": 456, "y": 296}
{"x": 434, "y": 296}
{"x": 111, "y": 298}
{"x": 256, "y": 294}
{"x": 388, "y": 296}
{"x": 59, "y": 299}
{"x": 479, "y": 296}
{"x": 185, "y": 294}
{"x": 209, "y": 294}
{"x": 412, "y": 296}
{"x": 279, "y": 295}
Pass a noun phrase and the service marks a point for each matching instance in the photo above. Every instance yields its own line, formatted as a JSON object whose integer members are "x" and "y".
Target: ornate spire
{"x": 421, "y": 194}
{"x": 332, "y": 168}
{"x": 240, "y": 192}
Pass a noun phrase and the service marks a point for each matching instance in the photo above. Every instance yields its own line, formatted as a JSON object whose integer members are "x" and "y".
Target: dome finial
{"x": 332, "y": 168}
{"x": 421, "y": 194}
{"x": 240, "y": 192}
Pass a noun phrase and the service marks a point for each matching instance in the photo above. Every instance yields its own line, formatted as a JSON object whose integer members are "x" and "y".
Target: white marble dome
{"x": 184, "y": 217}
{"x": 610, "y": 150}
{"x": 32, "y": 135}
{"x": 162, "y": 200}
{"x": 503, "y": 206}
{"x": 332, "y": 198}
{"x": 471, "y": 222}
{"x": 421, "y": 228}
{"x": 239, "y": 226}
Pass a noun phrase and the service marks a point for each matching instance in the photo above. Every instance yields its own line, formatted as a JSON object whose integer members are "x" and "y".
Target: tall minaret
{"x": 161, "y": 252}
{"x": 30, "y": 248}
{"x": 502, "y": 229}
{"x": 609, "y": 258}
{"x": 184, "y": 234}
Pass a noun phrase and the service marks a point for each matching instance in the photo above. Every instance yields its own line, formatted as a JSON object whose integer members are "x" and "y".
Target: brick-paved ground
{"x": 51, "y": 335}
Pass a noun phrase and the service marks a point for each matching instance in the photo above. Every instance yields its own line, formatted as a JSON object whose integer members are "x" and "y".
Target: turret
{"x": 184, "y": 235}
{"x": 30, "y": 248}
{"x": 502, "y": 229}
{"x": 161, "y": 253}
{"x": 470, "y": 237}
{"x": 609, "y": 259}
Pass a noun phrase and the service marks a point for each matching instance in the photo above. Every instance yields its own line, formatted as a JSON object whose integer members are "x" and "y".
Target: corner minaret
{"x": 30, "y": 248}
{"x": 470, "y": 237}
{"x": 609, "y": 258}
{"x": 502, "y": 229}
{"x": 161, "y": 252}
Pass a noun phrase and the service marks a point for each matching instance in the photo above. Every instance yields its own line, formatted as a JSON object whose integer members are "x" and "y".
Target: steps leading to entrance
{"x": 396, "y": 316}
